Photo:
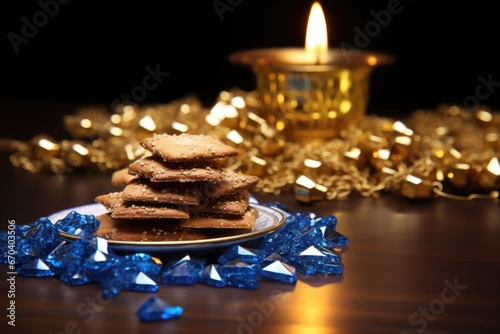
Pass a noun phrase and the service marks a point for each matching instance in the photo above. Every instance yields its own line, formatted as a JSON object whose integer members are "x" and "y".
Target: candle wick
{"x": 318, "y": 55}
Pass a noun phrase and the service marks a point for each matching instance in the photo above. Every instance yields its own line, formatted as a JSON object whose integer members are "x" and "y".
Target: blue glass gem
{"x": 211, "y": 276}
{"x": 139, "y": 281}
{"x": 97, "y": 261}
{"x": 22, "y": 230}
{"x": 78, "y": 224}
{"x": 240, "y": 274}
{"x": 315, "y": 259}
{"x": 143, "y": 262}
{"x": 155, "y": 309}
{"x": 237, "y": 252}
{"x": 301, "y": 220}
{"x": 172, "y": 264}
{"x": 38, "y": 241}
{"x": 275, "y": 268}
{"x": 97, "y": 256}
{"x": 36, "y": 268}
{"x": 110, "y": 273}
{"x": 270, "y": 243}
{"x": 66, "y": 256}
{"x": 329, "y": 221}
{"x": 184, "y": 272}
{"x": 331, "y": 268}
{"x": 79, "y": 277}
{"x": 330, "y": 238}
{"x": 140, "y": 272}
{"x": 111, "y": 286}
{"x": 94, "y": 243}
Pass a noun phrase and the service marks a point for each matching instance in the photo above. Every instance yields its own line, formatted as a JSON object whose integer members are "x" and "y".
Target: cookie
{"x": 187, "y": 147}
{"x": 234, "y": 204}
{"x": 131, "y": 210}
{"x": 157, "y": 170}
{"x": 143, "y": 190}
{"x": 231, "y": 182}
{"x": 149, "y": 230}
{"x": 207, "y": 220}
{"x": 121, "y": 178}
{"x": 110, "y": 201}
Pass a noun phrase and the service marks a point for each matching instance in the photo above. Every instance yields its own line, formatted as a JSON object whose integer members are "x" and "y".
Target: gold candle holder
{"x": 312, "y": 102}
{"x": 312, "y": 94}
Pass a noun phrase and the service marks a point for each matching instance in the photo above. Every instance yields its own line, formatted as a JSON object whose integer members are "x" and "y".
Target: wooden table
{"x": 430, "y": 267}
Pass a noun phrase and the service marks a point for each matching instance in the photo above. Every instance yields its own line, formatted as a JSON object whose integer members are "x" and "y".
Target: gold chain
{"x": 449, "y": 152}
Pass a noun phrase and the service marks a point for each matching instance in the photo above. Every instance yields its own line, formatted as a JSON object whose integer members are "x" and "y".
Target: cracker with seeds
{"x": 180, "y": 187}
{"x": 149, "y": 230}
{"x": 121, "y": 177}
{"x": 110, "y": 201}
{"x": 131, "y": 210}
{"x": 143, "y": 190}
{"x": 206, "y": 220}
{"x": 233, "y": 204}
{"x": 187, "y": 147}
{"x": 231, "y": 183}
{"x": 157, "y": 170}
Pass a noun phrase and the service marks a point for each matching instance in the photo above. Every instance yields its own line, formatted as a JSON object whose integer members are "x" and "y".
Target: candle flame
{"x": 316, "y": 35}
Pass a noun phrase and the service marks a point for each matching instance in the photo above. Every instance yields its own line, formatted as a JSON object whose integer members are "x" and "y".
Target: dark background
{"x": 91, "y": 52}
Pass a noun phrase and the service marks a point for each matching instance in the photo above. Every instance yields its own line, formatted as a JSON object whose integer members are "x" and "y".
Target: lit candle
{"x": 316, "y": 34}
{"x": 314, "y": 93}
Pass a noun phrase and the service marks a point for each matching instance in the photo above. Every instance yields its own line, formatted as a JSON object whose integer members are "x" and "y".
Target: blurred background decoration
{"x": 128, "y": 70}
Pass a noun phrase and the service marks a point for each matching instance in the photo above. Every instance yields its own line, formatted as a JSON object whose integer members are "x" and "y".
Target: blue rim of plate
{"x": 268, "y": 221}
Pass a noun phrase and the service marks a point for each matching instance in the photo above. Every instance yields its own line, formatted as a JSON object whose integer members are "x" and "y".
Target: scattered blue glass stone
{"x": 38, "y": 241}
{"x": 139, "y": 281}
{"x": 279, "y": 271}
{"x": 66, "y": 256}
{"x": 305, "y": 244}
{"x": 184, "y": 272}
{"x": 9, "y": 239}
{"x": 143, "y": 262}
{"x": 269, "y": 244}
{"x": 97, "y": 261}
{"x": 240, "y": 274}
{"x": 97, "y": 243}
{"x": 238, "y": 252}
{"x": 156, "y": 309}
{"x": 78, "y": 224}
{"x": 36, "y": 268}
{"x": 211, "y": 276}
{"x": 22, "y": 230}
{"x": 330, "y": 238}
{"x": 332, "y": 268}
{"x": 140, "y": 272}
{"x": 111, "y": 281}
{"x": 302, "y": 219}
{"x": 79, "y": 277}
{"x": 329, "y": 221}
{"x": 316, "y": 259}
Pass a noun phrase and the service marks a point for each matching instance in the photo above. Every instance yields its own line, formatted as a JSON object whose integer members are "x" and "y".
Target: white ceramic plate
{"x": 268, "y": 221}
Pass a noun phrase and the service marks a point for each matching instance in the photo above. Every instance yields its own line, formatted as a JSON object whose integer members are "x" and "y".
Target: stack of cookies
{"x": 180, "y": 191}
